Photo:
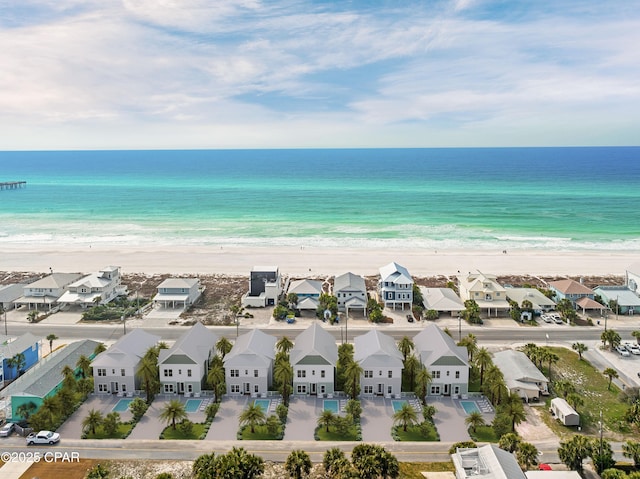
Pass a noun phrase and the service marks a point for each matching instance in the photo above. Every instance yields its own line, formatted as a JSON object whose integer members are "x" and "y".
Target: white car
{"x": 632, "y": 348}
{"x": 43, "y": 437}
{"x": 7, "y": 429}
{"x": 546, "y": 318}
{"x": 557, "y": 319}
{"x": 623, "y": 352}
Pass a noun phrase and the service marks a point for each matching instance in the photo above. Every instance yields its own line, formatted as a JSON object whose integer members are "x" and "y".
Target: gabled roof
{"x": 127, "y": 350}
{"x": 94, "y": 280}
{"x": 516, "y": 366}
{"x": 622, "y": 294}
{"x": 435, "y": 346}
{"x": 395, "y": 273}
{"x": 10, "y": 349}
{"x": 254, "y": 348}
{"x": 570, "y": 286}
{"x": 349, "y": 282}
{"x": 306, "y": 286}
{"x": 308, "y": 303}
{"x": 562, "y": 405}
{"x": 54, "y": 281}
{"x": 376, "y": 349}
{"x": 179, "y": 283}
{"x": 480, "y": 282}
{"x": 441, "y": 299}
{"x": 10, "y": 292}
{"x": 487, "y": 462}
{"x": 196, "y": 343}
{"x": 537, "y": 299}
{"x": 314, "y": 341}
{"x": 588, "y": 303}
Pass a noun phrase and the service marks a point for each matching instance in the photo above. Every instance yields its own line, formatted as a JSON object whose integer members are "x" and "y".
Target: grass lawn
{"x": 68, "y": 470}
{"x": 123, "y": 429}
{"x": 260, "y": 434}
{"x": 333, "y": 435}
{"x": 484, "y": 434}
{"x": 196, "y": 432}
{"x": 413, "y": 433}
{"x": 592, "y": 386}
{"x": 414, "y": 470}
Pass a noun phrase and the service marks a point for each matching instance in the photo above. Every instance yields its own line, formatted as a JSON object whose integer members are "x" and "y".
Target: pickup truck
{"x": 43, "y": 437}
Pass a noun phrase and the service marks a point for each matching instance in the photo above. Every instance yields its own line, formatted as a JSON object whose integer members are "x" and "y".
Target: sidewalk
{"x": 13, "y": 470}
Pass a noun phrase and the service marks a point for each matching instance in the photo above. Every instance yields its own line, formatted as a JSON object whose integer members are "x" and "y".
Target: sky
{"x": 130, "y": 74}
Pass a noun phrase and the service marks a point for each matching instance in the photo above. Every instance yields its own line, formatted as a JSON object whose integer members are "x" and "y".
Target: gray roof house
{"x": 442, "y": 300}
{"x": 632, "y": 277}
{"x": 395, "y": 286}
{"x": 486, "y": 462}
{"x": 183, "y": 367}
{"x": 381, "y": 362}
{"x": 114, "y": 370}
{"x": 8, "y": 294}
{"x": 46, "y": 291}
{"x": 177, "y": 292}
{"x": 313, "y": 358}
{"x": 538, "y": 300}
{"x": 446, "y": 361}
{"x": 628, "y": 301}
{"x": 308, "y": 291}
{"x": 520, "y": 375}
{"x": 351, "y": 291}
{"x": 249, "y": 364}
{"x": 102, "y": 287}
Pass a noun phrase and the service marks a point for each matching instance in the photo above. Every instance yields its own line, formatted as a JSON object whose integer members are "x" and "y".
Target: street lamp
{"x": 459, "y": 327}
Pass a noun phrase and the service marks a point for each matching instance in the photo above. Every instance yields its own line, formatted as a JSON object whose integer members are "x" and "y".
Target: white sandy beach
{"x": 315, "y": 261}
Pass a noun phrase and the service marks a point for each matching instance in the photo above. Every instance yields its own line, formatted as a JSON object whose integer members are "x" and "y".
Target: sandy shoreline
{"x": 317, "y": 261}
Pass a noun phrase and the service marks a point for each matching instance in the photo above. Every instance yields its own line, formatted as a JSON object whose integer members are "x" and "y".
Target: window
{"x": 123, "y": 387}
{"x": 235, "y": 388}
{"x": 188, "y": 372}
{"x": 302, "y": 389}
{"x": 168, "y": 388}
{"x": 389, "y": 389}
{"x": 436, "y": 375}
{"x": 189, "y": 388}
{"x": 235, "y": 373}
{"x": 380, "y": 372}
{"x": 390, "y": 374}
{"x": 179, "y": 372}
{"x": 302, "y": 373}
{"x": 255, "y": 373}
{"x": 102, "y": 388}
{"x": 368, "y": 374}
{"x": 457, "y": 374}
{"x": 435, "y": 389}
{"x": 368, "y": 389}
{"x": 122, "y": 372}
{"x": 102, "y": 372}
{"x": 168, "y": 373}
{"x": 448, "y": 373}
{"x": 256, "y": 389}
{"x": 322, "y": 373}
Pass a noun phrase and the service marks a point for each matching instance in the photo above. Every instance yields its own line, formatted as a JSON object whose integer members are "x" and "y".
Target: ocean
{"x": 561, "y": 199}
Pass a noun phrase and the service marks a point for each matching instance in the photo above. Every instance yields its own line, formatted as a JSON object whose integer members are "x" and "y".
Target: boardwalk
{"x": 12, "y": 185}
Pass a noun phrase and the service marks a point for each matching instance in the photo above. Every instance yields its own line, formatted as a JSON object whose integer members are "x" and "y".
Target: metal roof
{"x": 350, "y": 282}
{"x": 376, "y": 348}
{"x": 395, "y": 273}
{"x": 195, "y": 343}
{"x": 435, "y": 346}
{"x": 314, "y": 341}
{"x": 10, "y": 349}
{"x": 516, "y": 366}
{"x": 255, "y": 348}
{"x": 179, "y": 283}
{"x": 441, "y": 299}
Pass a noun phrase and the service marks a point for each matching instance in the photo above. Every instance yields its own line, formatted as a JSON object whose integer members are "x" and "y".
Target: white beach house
{"x": 308, "y": 292}
{"x": 313, "y": 358}
{"x": 381, "y": 362}
{"x": 101, "y": 288}
{"x": 520, "y": 375}
{"x": 442, "y": 300}
{"x": 177, "y": 293}
{"x": 395, "y": 286}
{"x": 539, "y": 302}
{"x": 44, "y": 293}
{"x": 351, "y": 292}
{"x": 249, "y": 365}
{"x": 265, "y": 287}
{"x": 485, "y": 290}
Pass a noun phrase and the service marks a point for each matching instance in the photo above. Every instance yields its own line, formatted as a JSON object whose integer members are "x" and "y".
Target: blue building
{"x": 28, "y": 345}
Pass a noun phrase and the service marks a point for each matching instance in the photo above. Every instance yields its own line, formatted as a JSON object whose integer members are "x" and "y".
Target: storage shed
{"x": 564, "y": 413}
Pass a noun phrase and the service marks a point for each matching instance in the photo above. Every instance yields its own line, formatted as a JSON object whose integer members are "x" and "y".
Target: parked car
{"x": 410, "y": 318}
{"x": 7, "y": 429}
{"x": 546, "y": 318}
{"x": 632, "y": 348}
{"x": 43, "y": 437}
{"x": 557, "y": 319}
{"x": 622, "y": 351}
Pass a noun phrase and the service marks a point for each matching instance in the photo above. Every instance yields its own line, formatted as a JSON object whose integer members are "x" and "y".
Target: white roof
{"x": 395, "y": 273}
{"x": 127, "y": 350}
{"x": 94, "y": 280}
{"x": 435, "y": 347}
{"x": 70, "y": 297}
{"x": 255, "y": 348}
{"x": 54, "y": 281}
{"x": 306, "y": 286}
{"x": 552, "y": 475}
{"x": 308, "y": 303}
{"x": 196, "y": 343}
{"x": 179, "y": 283}
{"x": 376, "y": 349}
{"x": 349, "y": 282}
{"x": 265, "y": 269}
{"x": 441, "y": 299}
{"x": 517, "y": 368}
{"x": 315, "y": 341}
{"x": 538, "y": 300}
{"x": 487, "y": 462}
{"x": 563, "y": 406}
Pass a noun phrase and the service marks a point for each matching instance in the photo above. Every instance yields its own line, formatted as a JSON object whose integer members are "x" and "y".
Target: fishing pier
{"x": 12, "y": 185}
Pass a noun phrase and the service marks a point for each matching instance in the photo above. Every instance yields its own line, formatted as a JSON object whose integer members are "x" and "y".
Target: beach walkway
{"x": 12, "y": 185}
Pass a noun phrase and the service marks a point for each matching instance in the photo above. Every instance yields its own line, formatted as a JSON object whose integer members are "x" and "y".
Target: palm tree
{"x": 49, "y": 409}
{"x": 100, "y": 348}
{"x": 423, "y": 379}
{"x": 292, "y": 300}
{"x": 326, "y": 419}
{"x": 405, "y": 346}
{"x": 298, "y": 463}
{"x": 252, "y": 416}
{"x": 509, "y": 441}
{"x": 575, "y": 400}
{"x": 352, "y": 374}
{"x": 564, "y": 387}
{"x": 551, "y": 357}
{"x": 283, "y": 374}
{"x": 470, "y": 342}
{"x": 514, "y": 410}
{"x": 26, "y": 409}
{"x": 215, "y": 376}
{"x": 527, "y": 455}
{"x": 223, "y": 346}
{"x": 631, "y": 449}
{"x": 51, "y": 338}
{"x": 411, "y": 365}
{"x": 636, "y": 334}
{"x": 173, "y": 412}
{"x": 92, "y": 421}
{"x": 148, "y": 373}
{"x": 406, "y": 416}
{"x": 69, "y": 378}
{"x": 574, "y": 451}
{"x": 331, "y": 460}
{"x": 284, "y": 345}
{"x": 610, "y": 373}
{"x": 84, "y": 364}
{"x": 579, "y": 348}
{"x": 18, "y": 361}
{"x": 482, "y": 360}
{"x": 475, "y": 420}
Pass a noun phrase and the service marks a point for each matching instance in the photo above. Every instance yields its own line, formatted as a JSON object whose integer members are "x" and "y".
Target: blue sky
{"x": 287, "y": 74}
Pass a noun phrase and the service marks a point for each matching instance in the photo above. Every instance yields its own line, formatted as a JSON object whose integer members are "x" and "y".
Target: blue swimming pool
{"x": 469, "y": 406}
{"x": 397, "y": 405}
{"x": 263, "y": 403}
{"x": 192, "y": 405}
{"x": 331, "y": 405}
{"x": 122, "y": 405}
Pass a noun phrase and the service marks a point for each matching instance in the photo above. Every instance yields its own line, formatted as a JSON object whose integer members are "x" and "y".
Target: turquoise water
{"x": 484, "y": 198}
{"x": 122, "y": 405}
{"x": 331, "y": 405}
{"x": 263, "y": 404}
{"x": 469, "y": 406}
{"x": 192, "y": 405}
{"x": 397, "y": 405}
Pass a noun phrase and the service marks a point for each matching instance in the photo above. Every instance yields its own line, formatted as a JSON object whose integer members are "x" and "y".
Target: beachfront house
{"x": 265, "y": 287}
{"x": 539, "y": 302}
{"x": 177, "y": 293}
{"x": 114, "y": 370}
{"x": 521, "y": 376}
{"x": 381, "y": 362}
{"x": 447, "y": 362}
{"x": 248, "y": 367}
{"x": 44, "y": 293}
{"x": 8, "y": 294}
{"x": 485, "y": 290}
{"x": 313, "y": 358}
{"x": 486, "y": 462}
{"x": 632, "y": 278}
{"x": 45, "y": 378}
{"x": 442, "y": 300}
{"x": 308, "y": 292}
{"x": 183, "y": 367}
{"x": 571, "y": 290}
{"x": 96, "y": 288}
{"x": 351, "y": 292}
{"x": 564, "y": 413}
{"x": 628, "y": 302}
{"x": 395, "y": 286}
{"x": 28, "y": 345}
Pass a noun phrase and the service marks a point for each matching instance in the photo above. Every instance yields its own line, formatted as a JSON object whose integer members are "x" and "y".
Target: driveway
{"x": 225, "y": 425}
{"x": 150, "y": 426}
{"x": 376, "y": 419}
{"x": 449, "y": 419}
{"x": 302, "y": 419}
{"x": 72, "y": 427}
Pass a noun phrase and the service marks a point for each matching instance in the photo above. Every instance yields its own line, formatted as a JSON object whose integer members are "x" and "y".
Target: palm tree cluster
{"x": 575, "y": 450}
{"x": 610, "y": 337}
{"x": 236, "y": 463}
{"x": 215, "y": 375}
{"x": 348, "y": 371}
{"x": 368, "y": 461}
{"x": 526, "y": 453}
{"x": 541, "y": 355}
{"x": 415, "y": 376}
{"x": 95, "y": 419}
{"x": 148, "y": 371}
{"x": 282, "y": 369}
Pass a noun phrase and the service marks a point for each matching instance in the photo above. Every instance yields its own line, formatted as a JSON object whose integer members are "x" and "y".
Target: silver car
{"x": 7, "y": 429}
